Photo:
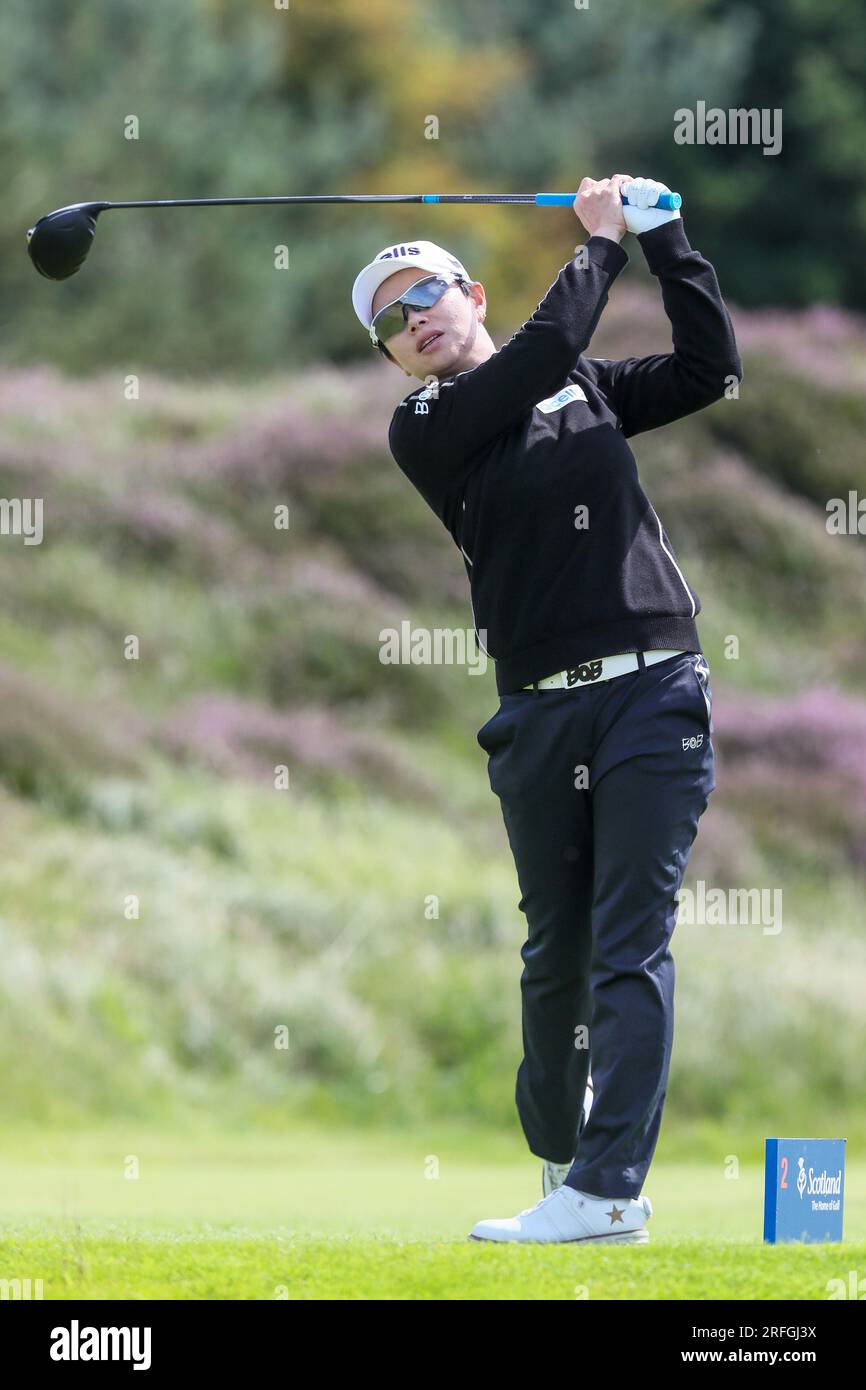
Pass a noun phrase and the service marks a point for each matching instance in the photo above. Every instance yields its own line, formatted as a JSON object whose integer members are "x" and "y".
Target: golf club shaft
{"x": 669, "y": 201}
{"x": 58, "y": 244}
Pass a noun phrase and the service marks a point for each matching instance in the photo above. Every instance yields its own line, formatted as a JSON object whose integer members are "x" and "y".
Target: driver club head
{"x": 59, "y": 242}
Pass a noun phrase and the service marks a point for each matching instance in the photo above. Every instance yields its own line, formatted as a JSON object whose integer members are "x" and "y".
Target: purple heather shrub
{"x": 246, "y": 738}
{"x": 162, "y": 521}
{"x": 329, "y": 579}
{"x": 813, "y": 743}
{"x": 288, "y": 449}
{"x": 823, "y": 343}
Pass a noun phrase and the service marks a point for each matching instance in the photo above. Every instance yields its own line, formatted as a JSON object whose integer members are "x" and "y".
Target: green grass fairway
{"x": 347, "y": 1215}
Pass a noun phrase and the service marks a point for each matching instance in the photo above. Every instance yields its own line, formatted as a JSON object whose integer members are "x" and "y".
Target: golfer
{"x": 600, "y": 752}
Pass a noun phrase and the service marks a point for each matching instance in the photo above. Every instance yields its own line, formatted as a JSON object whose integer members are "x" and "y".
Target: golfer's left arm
{"x": 646, "y": 392}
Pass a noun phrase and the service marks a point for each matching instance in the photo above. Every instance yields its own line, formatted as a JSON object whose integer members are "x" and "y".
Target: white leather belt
{"x": 604, "y": 668}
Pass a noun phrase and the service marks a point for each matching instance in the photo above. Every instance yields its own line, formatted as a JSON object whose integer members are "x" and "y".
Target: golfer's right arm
{"x": 435, "y": 435}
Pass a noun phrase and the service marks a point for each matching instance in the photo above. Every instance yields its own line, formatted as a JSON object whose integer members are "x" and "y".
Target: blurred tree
{"x": 604, "y": 83}
{"x": 304, "y": 100}
{"x": 797, "y": 231}
{"x": 596, "y": 97}
{"x": 385, "y": 97}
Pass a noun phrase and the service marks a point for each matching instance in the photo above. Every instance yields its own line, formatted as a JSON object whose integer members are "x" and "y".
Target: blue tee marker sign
{"x": 804, "y": 1190}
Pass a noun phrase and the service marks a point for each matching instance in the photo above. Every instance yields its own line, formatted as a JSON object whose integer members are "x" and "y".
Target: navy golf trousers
{"x": 601, "y": 789}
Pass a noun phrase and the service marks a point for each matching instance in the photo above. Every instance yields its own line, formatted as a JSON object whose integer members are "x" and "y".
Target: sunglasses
{"x": 392, "y": 318}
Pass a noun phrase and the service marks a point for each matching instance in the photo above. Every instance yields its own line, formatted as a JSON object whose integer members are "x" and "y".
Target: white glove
{"x": 638, "y": 212}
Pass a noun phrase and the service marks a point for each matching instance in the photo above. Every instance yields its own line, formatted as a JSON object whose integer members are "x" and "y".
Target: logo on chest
{"x": 568, "y": 393}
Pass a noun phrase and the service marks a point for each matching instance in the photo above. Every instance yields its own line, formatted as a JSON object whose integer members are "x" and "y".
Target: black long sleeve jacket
{"x": 524, "y": 459}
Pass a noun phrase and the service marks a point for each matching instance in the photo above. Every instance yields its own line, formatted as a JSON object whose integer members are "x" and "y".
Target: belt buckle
{"x": 564, "y": 684}
{"x": 593, "y": 671}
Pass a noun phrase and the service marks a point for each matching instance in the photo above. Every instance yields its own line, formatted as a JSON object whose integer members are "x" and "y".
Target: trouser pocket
{"x": 496, "y": 738}
{"x": 701, "y": 673}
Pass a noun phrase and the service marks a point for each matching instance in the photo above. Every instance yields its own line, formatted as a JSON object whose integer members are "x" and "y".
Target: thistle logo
{"x": 801, "y": 1177}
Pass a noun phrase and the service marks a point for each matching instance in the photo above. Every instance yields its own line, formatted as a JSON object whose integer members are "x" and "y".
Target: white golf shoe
{"x": 569, "y": 1216}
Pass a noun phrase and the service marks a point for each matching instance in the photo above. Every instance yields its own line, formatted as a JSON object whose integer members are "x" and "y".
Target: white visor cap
{"x": 420, "y": 255}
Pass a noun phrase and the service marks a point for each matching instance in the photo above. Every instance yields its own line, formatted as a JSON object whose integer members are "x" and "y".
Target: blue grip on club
{"x": 667, "y": 202}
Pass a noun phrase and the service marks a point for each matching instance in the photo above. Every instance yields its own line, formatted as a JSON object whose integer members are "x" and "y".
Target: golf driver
{"x": 60, "y": 241}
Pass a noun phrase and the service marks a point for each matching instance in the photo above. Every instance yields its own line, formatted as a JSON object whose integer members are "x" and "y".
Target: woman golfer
{"x": 600, "y": 751}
